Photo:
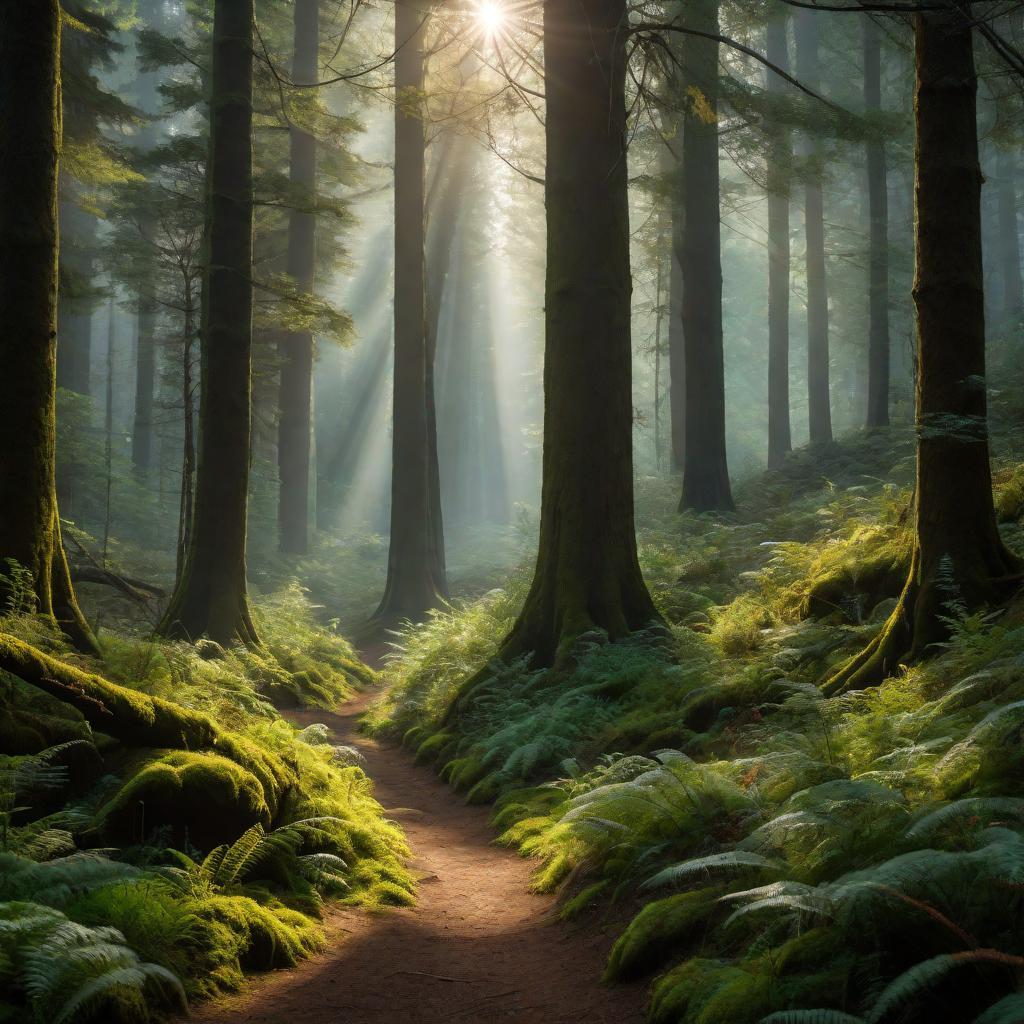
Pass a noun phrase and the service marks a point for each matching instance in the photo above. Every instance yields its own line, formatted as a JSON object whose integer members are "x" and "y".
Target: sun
{"x": 491, "y": 16}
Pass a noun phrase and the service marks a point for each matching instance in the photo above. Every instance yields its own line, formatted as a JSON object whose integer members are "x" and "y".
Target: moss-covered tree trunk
{"x": 959, "y": 562}
{"x": 294, "y": 436}
{"x": 819, "y": 405}
{"x": 1009, "y": 235}
{"x": 705, "y": 466}
{"x": 587, "y": 575}
{"x": 30, "y": 141}
{"x": 878, "y": 256}
{"x": 780, "y": 439}
{"x": 416, "y": 571}
{"x": 210, "y": 596}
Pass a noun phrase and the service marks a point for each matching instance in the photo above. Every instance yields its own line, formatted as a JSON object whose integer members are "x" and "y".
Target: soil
{"x": 477, "y": 947}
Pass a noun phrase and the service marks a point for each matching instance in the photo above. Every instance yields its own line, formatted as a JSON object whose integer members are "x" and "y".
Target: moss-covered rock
{"x": 203, "y": 798}
{"x": 264, "y": 937}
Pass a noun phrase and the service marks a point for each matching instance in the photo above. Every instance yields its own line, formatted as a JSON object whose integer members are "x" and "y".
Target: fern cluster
{"x": 790, "y": 857}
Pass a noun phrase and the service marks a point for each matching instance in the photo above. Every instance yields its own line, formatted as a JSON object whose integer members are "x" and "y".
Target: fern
{"x": 55, "y": 882}
{"x": 973, "y": 807}
{"x": 734, "y": 862}
{"x": 924, "y": 975}
{"x": 226, "y": 866}
{"x": 66, "y": 969}
{"x": 1009, "y": 1010}
{"x": 811, "y": 1017}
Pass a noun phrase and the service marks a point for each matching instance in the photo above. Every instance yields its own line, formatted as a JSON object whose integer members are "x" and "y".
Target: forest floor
{"x": 478, "y": 945}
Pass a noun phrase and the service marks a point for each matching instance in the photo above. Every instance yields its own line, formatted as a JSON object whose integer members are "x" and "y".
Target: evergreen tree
{"x": 30, "y": 145}
{"x": 960, "y": 563}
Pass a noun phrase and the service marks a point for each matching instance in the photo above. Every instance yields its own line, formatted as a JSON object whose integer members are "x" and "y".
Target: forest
{"x": 512, "y": 510}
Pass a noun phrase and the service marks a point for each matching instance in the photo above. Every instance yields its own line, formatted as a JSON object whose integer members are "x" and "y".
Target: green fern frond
{"x": 911, "y": 983}
{"x": 1012, "y": 807}
{"x": 812, "y": 1017}
{"x": 735, "y": 861}
{"x": 134, "y": 976}
{"x": 1009, "y": 1010}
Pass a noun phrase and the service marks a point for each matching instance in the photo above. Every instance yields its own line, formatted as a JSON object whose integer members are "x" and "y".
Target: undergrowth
{"x": 784, "y": 856}
{"x": 133, "y": 878}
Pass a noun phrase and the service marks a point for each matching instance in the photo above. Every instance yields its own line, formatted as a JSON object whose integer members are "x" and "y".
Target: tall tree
{"x": 1009, "y": 234}
{"x": 878, "y": 255}
{"x": 146, "y": 305}
{"x": 30, "y": 144}
{"x": 210, "y": 596}
{"x": 959, "y": 562}
{"x": 416, "y": 571}
{"x": 296, "y": 388}
{"x": 676, "y": 347}
{"x": 587, "y": 575}
{"x": 780, "y": 167}
{"x": 818, "y": 400}
{"x": 705, "y": 466}
{"x": 75, "y": 306}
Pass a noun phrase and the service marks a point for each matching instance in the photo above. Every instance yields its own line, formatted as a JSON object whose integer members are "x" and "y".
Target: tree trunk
{"x": 186, "y": 497}
{"x": 296, "y": 394}
{"x": 210, "y": 595}
{"x": 74, "y": 311}
{"x": 1009, "y": 237}
{"x": 959, "y": 562}
{"x": 705, "y": 468}
{"x": 416, "y": 573}
{"x": 30, "y": 140}
{"x": 878, "y": 258}
{"x": 145, "y": 382}
{"x": 780, "y": 167}
{"x": 676, "y": 345}
{"x": 818, "y": 399}
{"x": 587, "y": 576}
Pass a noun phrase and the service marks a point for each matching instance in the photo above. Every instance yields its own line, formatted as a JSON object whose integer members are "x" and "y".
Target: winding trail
{"x": 477, "y": 947}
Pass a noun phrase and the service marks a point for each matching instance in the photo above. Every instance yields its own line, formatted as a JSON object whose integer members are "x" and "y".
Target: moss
{"x": 660, "y": 928}
{"x": 431, "y": 748}
{"x": 584, "y": 900}
{"x": 205, "y": 800}
{"x": 856, "y": 576}
{"x": 1009, "y": 494}
{"x": 739, "y": 998}
{"x": 685, "y": 988}
{"x": 266, "y": 936}
{"x": 131, "y": 717}
{"x": 486, "y": 790}
{"x": 463, "y": 772}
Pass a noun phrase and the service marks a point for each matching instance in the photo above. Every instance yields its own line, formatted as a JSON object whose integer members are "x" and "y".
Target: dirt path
{"x": 477, "y": 947}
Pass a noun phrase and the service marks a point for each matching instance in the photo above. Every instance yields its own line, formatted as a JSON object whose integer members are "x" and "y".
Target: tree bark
{"x": 296, "y": 389}
{"x": 145, "y": 381}
{"x": 878, "y": 257}
{"x": 676, "y": 346}
{"x": 818, "y": 399}
{"x": 705, "y": 466}
{"x": 960, "y": 563}
{"x": 416, "y": 572}
{"x": 210, "y": 595}
{"x": 1009, "y": 237}
{"x": 74, "y": 312}
{"x": 587, "y": 577}
{"x": 780, "y": 167}
{"x": 30, "y": 141}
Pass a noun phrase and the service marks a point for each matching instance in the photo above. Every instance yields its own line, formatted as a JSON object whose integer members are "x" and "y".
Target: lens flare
{"x": 491, "y": 17}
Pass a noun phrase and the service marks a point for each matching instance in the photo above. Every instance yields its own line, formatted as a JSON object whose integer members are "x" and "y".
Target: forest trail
{"x": 477, "y": 947}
